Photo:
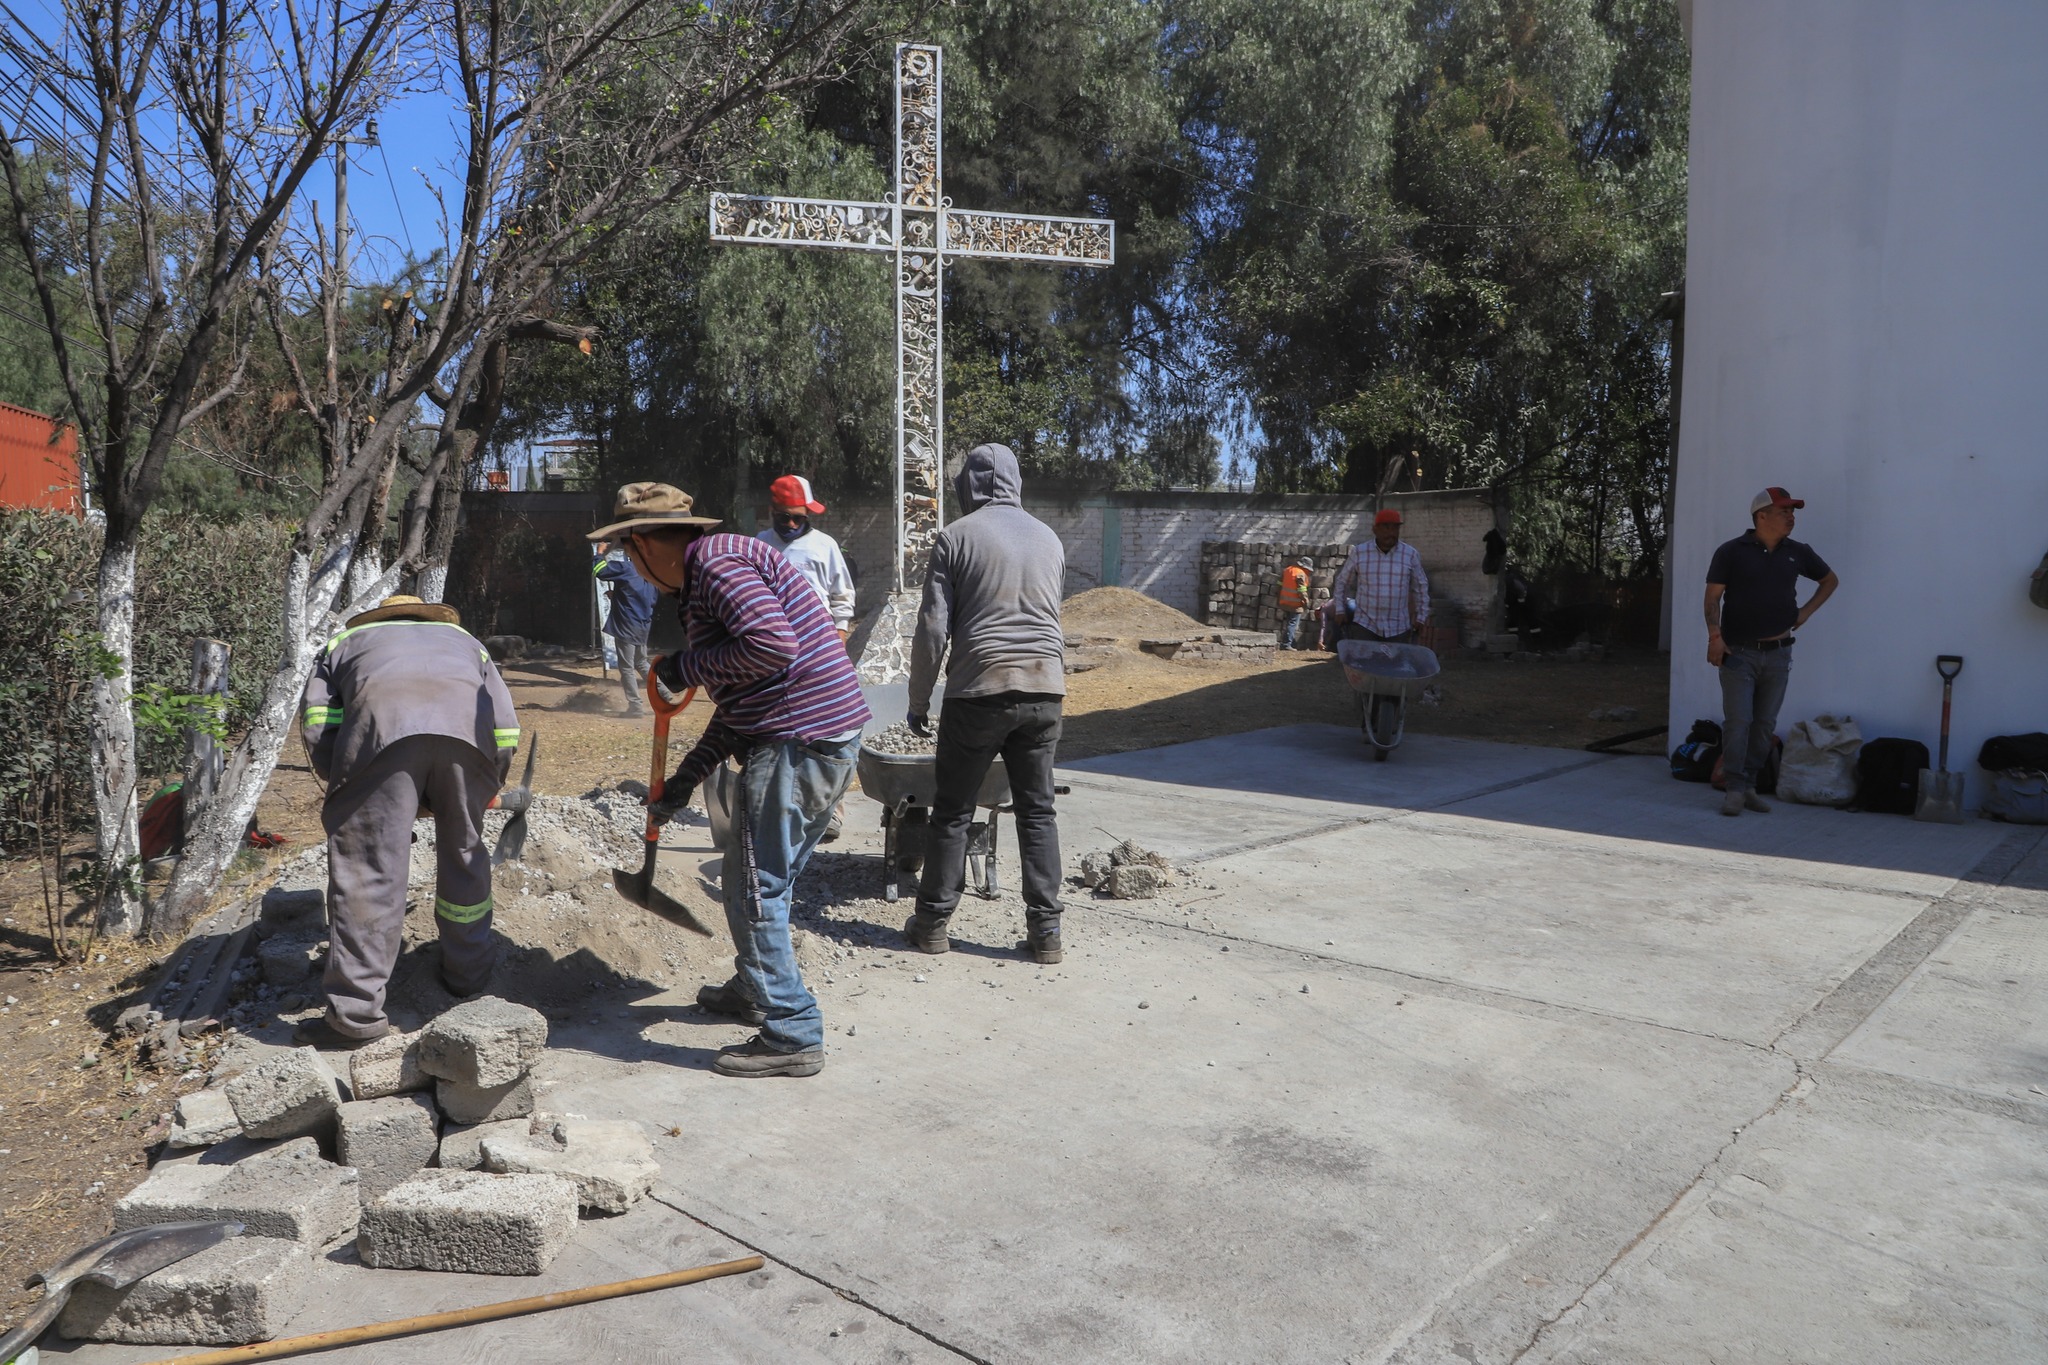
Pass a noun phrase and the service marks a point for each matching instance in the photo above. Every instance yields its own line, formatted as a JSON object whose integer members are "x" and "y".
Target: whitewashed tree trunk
{"x": 433, "y": 582}
{"x": 310, "y": 595}
{"x": 114, "y": 761}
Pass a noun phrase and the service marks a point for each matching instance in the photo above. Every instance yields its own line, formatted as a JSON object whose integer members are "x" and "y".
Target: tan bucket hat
{"x": 405, "y": 607}
{"x": 649, "y": 507}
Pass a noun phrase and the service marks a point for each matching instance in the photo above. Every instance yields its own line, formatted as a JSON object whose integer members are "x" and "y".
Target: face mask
{"x": 789, "y": 533}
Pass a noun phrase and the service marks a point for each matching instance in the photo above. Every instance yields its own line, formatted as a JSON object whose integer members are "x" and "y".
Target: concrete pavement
{"x": 1483, "y": 1054}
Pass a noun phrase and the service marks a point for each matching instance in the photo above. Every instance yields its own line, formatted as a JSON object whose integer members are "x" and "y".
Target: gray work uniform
{"x": 402, "y": 716}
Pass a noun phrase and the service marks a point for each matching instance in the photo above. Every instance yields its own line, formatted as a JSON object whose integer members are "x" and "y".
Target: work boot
{"x": 927, "y": 933}
{"x": 729, "y": 999}
{"x": 322, "y": 1034}
{"x": 835, "y": 825}
{"x": 755, "y": 1058}
{"x": 1751, "y": 801}
{"x": 1043, "y": 945}
{"x": 1732, "y": 802}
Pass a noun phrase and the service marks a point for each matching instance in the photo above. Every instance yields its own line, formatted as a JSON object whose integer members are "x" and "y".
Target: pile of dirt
{"x": 1123, "y": 614}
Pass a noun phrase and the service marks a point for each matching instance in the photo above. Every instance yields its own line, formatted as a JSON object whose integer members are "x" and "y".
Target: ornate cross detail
{"x": 920, "y": 226}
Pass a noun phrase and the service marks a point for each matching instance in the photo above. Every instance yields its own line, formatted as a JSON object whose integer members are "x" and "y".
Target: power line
{"x": 391, "y": 182}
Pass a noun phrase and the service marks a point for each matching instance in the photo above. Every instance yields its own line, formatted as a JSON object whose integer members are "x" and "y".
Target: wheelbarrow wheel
{"x": 911, "y": 834}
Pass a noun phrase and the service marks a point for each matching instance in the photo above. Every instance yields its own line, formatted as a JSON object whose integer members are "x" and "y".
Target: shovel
{"x": 1941, "y": 791}
{"x": 512, "y": 838}
{"x": 116, "y": 1262}
{"x": 638, "y": 887}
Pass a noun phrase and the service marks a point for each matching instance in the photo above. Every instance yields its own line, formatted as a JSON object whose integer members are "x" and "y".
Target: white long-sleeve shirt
{"x": 1391, "y": 589}
{"x": 818, "y": 557}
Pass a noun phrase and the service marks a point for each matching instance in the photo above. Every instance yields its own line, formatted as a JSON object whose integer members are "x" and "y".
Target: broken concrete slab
{"x": 1135, "y": 882}
{"x": 471, "y": 1104}
{"x": 203, "y": 1118}
{"x": 387, "y": 1140}
{"x": 289, "y": 1193}
{"x": 287, "y": 962}
{"x": 470, "y": 1222}
{"x": 611, "y": 1160}
{"x": 244, "y": 1289}
{"x": 389, "y": 1066}
{"x": 462, "y": 1145}
{"x": 483, "y": 1043}
{"x": 293, "y": 1093}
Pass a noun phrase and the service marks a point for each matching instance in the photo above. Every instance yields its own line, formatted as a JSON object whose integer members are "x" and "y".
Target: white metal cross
{"x": 920, "y": 226}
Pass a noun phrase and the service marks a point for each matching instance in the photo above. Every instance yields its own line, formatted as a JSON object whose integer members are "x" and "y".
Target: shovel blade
{"x": 511, "y": 841}
{"x": 1941, "y": 797}
{"x": 639, "y": 888}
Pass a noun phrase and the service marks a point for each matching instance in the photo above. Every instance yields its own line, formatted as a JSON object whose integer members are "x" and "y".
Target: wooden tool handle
{"x": 462, "y": 1317}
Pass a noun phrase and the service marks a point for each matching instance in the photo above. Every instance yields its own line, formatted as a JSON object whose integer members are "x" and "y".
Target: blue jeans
{"x": 1290, "y": 629}
{"x": 1752, "y": 689}
{"x": 788, "y": 789}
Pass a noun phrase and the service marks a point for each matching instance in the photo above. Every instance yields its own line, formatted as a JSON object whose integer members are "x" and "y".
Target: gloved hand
{"x": 675, "y": 796}
{"x": 920, "y": 724}
{"x": 668, "y": 682}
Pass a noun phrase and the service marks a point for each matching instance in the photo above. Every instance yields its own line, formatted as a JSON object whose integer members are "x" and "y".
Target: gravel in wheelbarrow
{"x": 1368, "y": 664}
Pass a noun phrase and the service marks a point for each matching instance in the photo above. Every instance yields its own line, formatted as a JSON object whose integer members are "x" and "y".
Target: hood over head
{"x": 988, "y": 475}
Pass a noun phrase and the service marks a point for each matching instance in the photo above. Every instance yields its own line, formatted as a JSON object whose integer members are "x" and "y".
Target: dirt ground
{"x": 80, "y": 1113}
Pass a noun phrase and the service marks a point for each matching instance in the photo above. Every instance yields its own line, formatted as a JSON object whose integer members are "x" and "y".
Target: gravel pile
{"x": 899, "y": 739}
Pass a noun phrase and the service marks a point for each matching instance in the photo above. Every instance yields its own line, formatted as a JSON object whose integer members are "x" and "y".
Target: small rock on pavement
{"x": 483, "y": 1043}
{"x": 288, "y": 1192}
{"x": 387, "y": 1140}
{"x": 203, "y": 1118}
{"x": 389, "y": 1066}
{"x": 469, "y": 1222}
{"x": 1135, "y": 881}
{"x": 471, "y": 1104}
{"x": 291, "y": 1094}
{"x": 462, "y": 1145}
{"x": 611, "y": 1160}
{"x": 242, "y": 1290}
{"x": 1095, "y": 868}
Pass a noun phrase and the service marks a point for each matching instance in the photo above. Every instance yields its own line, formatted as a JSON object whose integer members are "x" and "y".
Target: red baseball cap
{"x": 792, "y": 492}
{"x": 1773, "y": 497}
{"x": 1386, "y": 516}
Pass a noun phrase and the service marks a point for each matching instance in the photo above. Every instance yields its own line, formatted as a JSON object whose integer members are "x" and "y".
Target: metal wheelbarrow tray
{"x": 905, "y": 785}
{"x": 1377, "y": 668}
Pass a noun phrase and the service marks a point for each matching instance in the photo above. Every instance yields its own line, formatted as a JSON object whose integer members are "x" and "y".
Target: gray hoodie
{"x": 993, "y": 591}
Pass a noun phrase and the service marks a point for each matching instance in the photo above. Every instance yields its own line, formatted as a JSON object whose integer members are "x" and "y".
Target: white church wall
{"x": 1866, "y": 311}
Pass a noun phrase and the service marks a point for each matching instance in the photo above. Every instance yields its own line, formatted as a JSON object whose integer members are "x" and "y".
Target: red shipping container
{"x": 34, "y": 470}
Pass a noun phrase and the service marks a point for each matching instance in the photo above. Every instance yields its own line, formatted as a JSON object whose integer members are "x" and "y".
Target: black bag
{"x": 1694, "y": 760}
{"x": 1888, "y": 775}
{"x": 2003, "y": 753}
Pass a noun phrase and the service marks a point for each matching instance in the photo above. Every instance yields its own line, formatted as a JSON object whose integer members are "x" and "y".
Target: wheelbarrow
{"x": 905, "y": 784}
{"x": 1380, "y": 673}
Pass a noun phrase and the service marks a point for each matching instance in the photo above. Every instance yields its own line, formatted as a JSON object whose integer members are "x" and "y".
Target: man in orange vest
{"x": 1293, "y": 601}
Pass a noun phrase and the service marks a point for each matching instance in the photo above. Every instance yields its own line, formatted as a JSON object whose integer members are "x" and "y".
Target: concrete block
{"x": 389, "y": 1066}
{"x": 483, "y": 1043}
{"x": 1095, "y": 868}
{"x": 244, "y": 1289}
{"x": 462, "y": 1146}
{"x": 289, "y": 1193}
{"x": 287, "y": 962}
{"x": 387, "y": 1140}
{"x": 611, "y": 1160}
{"x": 284, "y": 911}
{"x": 469, "y": 1222}
{"x": 286, "y": 1096}
{"x": 1135, "y": 881}
{"x": 474, "y": 1104}
{"x": 204, "y": 1118}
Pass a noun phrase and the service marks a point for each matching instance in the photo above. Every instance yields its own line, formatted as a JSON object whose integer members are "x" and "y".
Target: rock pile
{"x": 439, "y": 1163}
{"x": 1241, "y": 581}
{"x": 1127, "y": 872}
{"x": 899, "y": 739}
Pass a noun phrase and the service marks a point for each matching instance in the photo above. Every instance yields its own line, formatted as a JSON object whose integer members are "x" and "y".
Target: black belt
{"x": 1782, "y": 642}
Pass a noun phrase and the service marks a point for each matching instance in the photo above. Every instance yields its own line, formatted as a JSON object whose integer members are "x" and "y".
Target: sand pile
{"x": 1122, "y": 614}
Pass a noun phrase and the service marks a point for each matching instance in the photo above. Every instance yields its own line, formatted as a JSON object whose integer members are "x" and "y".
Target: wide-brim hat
{"x": 405, "y": 607}
{"x": 651, "y": 507}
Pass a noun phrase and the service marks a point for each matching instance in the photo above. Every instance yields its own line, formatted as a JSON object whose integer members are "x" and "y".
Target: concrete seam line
{"x": 663, "y": 1195}
{"x": 1890, "y": 1085}
{"x": 1447, "y": 989}
{"x": 1385, "y": 814}
{"x": 1689, "y": 1198}
{"x": 1832, "y": 1019}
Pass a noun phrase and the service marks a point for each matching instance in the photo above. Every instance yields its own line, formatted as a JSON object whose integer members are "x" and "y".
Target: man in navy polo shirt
{"x": 1752, "y": 610}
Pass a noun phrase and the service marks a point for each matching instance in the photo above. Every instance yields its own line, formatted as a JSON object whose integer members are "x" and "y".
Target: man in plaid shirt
{"x": 1387, "y": 582}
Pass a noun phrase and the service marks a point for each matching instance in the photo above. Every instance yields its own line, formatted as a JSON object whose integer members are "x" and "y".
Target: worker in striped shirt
{"x": 1388, "y": 590}
{"x": 757, "y": 638}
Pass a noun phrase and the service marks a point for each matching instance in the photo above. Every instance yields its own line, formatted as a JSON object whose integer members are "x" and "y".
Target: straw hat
{"x": 405, "y": 607}
{"x": 650, "y": 507}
